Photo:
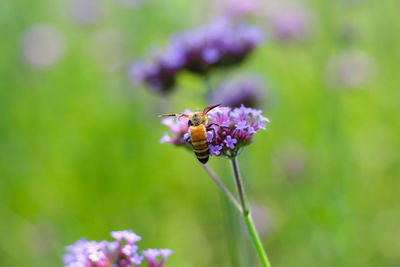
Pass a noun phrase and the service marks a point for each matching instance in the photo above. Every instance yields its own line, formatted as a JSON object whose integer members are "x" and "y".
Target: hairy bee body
{"x": 198, "y": 138}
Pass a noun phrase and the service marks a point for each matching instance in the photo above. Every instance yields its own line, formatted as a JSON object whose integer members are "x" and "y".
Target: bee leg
{"x": 211, "y": 124}
{"x": 213, "y": 130}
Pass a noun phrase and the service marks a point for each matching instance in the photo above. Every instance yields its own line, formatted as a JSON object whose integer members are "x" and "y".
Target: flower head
{"x": 234, "y": 128}
{"x": 229, "y": 130}
{"x": 122, "y": 252}
{"x": 220, "y": 44}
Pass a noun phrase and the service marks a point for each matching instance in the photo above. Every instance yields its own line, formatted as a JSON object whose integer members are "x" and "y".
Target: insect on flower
{"x": 198, "y": 127}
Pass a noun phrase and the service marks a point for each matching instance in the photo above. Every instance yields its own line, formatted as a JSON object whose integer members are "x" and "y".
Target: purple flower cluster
{"x": 122, "y": 252}
{"x": 159, "y": 73}
{"x": 230, "y": 129}
{"x": 220, "y": 44}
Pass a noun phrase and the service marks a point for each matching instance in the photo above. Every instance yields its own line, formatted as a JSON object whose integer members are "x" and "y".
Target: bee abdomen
{"x": 201, "y": 150}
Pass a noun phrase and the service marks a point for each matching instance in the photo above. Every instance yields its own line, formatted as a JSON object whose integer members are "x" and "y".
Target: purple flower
{"x": 158, "y": 75}
{"x": 211, "y": 55}
{"x": 42, "y": 45}
{"x": 220, "y": 44}
{"x": 289, "y": 21}
{"x": 85, "y": 11}
{"x": 136, "y": 259}
{"x": 231, "y": 129}
{"x": 230, "y": 142}
{"x": 245, "y": 90}
{"x": 152, "y": 255}
{"x": 215, "y": 150}
{"x": 165, "y": 139}
{"x": 119, "y": 253}
{"x": 179, "y": 129}
{"x": 129, "y": 236}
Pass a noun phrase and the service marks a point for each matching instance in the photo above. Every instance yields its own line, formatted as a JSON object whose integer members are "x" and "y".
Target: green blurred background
{"x": 80, "y": 157}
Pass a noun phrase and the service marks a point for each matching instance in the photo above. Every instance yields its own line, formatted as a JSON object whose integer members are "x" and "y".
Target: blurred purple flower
{"x": 231, "y": 130}
{"x": 200, "y": 50}
{"x": 159, "y": 76}
{"x": 290, "y": 21}
{"x": 238, "y": 8}
{"x": 85, "y": 11}
{"x": 128, "y": 235}
{"x": 350, "y": 69}
{"x": 122, "y": 252}
{"x": 244, "y": 90}
{"x": 42, "y": 45}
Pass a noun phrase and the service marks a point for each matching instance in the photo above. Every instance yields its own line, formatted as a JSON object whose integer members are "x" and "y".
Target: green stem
{"x": 256, "y": 240}
{"x": 247, "y": 215}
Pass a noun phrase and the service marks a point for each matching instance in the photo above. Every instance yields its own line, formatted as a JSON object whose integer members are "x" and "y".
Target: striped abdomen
{"x": 198, "y": 138}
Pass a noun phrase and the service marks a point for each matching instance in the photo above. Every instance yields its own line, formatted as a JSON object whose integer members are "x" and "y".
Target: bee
{"x": 198, "y": 126}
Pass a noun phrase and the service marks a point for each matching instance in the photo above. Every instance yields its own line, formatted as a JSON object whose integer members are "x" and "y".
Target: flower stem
{"x": 223, "y": 188}
{"x": 247, "y": 215}
{"x": 239, "y": 186}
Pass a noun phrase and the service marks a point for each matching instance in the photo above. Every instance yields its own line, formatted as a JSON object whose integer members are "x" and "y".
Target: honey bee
{"x": 198, "y": 126}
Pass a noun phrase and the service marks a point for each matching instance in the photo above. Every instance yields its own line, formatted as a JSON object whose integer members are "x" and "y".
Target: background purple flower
{"x": 42, "y": 45}
{"x": 122, "y": 252}
{"x": 159, "y": 75}
{"x": 289, "y": 21}
{"x": 220, "y": 44}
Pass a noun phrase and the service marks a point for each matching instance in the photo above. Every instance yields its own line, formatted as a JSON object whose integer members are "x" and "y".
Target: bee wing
{"x": 207, "y": 109}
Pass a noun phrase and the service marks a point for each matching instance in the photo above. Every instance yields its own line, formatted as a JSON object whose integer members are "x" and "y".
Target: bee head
{"x": 197, "y": 118}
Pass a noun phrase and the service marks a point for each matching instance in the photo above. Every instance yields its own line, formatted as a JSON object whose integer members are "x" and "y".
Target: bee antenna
{"x": 207, "y": 109}
{"x": 174, "y": 115}
{"x": 167, "y": 115}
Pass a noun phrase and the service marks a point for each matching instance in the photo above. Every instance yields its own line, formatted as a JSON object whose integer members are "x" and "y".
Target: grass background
{"x": 79, "y": 151}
